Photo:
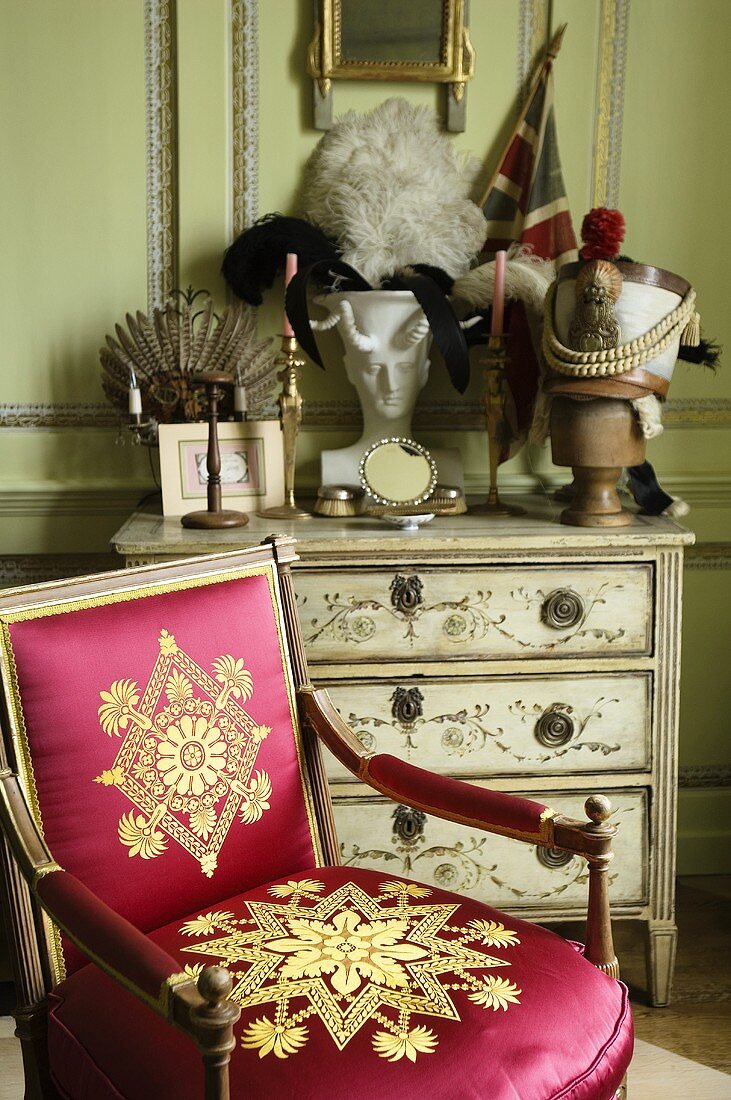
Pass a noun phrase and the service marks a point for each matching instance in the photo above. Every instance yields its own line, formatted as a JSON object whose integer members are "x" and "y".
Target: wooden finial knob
{"x": 598, "y": 808}
{"x": 215, "y": 984}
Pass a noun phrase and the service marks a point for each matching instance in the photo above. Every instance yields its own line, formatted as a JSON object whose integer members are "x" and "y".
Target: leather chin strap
{"x": 635, "y": 383}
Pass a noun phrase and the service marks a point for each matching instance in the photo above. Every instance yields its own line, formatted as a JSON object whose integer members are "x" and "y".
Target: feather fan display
{"x": 162, "y": 352}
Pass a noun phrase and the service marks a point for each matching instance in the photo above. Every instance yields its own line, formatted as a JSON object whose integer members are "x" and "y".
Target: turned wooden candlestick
{"x": 597, "y": 438}
{"x": 215, "y": 517}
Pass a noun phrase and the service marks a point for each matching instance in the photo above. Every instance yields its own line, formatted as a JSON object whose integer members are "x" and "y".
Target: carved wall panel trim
{"x": 162, "y": 153}
{"x": 455, "y": 416}
{"x": 696, "y": 776}
{"x": 16, "y": 569}
{"x": 709, "y": 555}
{"x": 611, "y": 68}
{"x": 532, "y": 36}
{"x": 245, "y": 112}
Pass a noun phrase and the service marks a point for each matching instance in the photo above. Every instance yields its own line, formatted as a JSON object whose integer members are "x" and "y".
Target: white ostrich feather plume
{"x": 390, "y": 188}
{"x": 527, "y": 278}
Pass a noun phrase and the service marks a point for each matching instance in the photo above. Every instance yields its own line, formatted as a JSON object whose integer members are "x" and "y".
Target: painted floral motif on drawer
{"x": 504, "y": 726}
{"x": 406, "y": 842}
{"x": 492, "y": 612}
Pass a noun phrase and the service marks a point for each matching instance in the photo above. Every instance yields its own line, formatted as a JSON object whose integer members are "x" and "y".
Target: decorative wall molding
{"x": 704, "y": 775}
{"x": 453, "y": 416}
{"x": 162, "y": 153}
{"x": 533, "y": 27}
{"x": 463, "y": 415}
{"x": 708, "y": 555}
{"x": 611, "y": 67}
{"x": 245, "y": 112}
{"x": 698, "y": 413}
{"x": 17, "y": 569}
{"x": 40, "y": 417}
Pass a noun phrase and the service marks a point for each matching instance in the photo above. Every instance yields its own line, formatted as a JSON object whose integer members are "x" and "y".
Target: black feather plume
{"x": 707, "y": 354}
{"x": 251, "y": 264}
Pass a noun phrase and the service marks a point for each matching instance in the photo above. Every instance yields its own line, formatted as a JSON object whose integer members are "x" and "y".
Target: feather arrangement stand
{"x": 164, "y": 351}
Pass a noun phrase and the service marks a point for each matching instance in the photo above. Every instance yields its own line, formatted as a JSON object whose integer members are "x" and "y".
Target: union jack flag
{"x": 525, "y": 200}
{"x": 525, "y": 203}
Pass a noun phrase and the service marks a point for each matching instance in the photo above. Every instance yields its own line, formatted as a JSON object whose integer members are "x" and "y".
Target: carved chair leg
{"x": 31, "y": 1027}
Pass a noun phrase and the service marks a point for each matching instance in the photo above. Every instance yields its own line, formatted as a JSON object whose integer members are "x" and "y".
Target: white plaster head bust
{"x": 386, "y": 340}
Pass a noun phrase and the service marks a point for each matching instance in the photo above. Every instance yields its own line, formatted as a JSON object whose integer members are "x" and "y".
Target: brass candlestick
{"x": 215, "y": 517}
{"x": 498, "y": 423}
{"x": 290, "y": 410}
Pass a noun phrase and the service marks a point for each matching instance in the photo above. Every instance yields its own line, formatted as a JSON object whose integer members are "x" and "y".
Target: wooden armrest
{"x": 116, "y": 946}
{"x": 453, "y": 799}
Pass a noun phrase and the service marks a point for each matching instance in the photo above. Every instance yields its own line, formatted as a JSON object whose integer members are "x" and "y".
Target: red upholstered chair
{"x": 171, "y": 872}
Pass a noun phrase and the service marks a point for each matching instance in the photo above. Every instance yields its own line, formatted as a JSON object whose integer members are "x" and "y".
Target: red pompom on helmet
{"x": 602, "y": 232}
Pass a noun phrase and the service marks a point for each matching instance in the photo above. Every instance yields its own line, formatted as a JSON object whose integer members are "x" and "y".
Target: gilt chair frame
{"x": 201, "y": 1009}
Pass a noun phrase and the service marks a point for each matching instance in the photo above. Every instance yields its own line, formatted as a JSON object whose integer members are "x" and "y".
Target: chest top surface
{"x": 538, "y": 531}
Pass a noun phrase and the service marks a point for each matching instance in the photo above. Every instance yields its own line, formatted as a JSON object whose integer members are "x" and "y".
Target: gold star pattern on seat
{"x": 348, "y": 959}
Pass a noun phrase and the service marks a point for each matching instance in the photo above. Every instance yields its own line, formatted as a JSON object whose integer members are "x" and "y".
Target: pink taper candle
{"x": 498, "y": 296}
{"x": 290, "y": 272}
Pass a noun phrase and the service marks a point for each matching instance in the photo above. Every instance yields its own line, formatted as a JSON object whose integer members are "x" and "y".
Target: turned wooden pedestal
{"x": 597, "y": 438}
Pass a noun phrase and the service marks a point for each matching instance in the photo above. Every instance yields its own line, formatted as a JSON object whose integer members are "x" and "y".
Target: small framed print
{"x": 252, "y": 465}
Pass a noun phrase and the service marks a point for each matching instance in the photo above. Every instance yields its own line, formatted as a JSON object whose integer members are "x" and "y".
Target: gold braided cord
{"x": 617, "y": 360}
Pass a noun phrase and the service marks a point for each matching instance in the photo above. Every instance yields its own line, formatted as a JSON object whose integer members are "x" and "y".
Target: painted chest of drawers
{"x": 515, "y": 653}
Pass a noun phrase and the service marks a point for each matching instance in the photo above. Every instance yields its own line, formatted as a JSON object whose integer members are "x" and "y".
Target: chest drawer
{"x": 476, "y": 612}
{"x": 525, "y": 725}
{"x": 401, "y": 842}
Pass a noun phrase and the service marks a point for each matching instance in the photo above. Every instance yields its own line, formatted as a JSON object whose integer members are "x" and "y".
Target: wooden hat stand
{"x": 597, "y": 437}
{"x": 215, "y": 517}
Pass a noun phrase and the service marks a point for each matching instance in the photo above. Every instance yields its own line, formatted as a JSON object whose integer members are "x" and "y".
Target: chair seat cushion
{"x": 353, "y": 984}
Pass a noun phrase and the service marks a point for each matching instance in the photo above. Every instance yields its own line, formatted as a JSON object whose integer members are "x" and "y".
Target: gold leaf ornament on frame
{"x": 187, "y": 754}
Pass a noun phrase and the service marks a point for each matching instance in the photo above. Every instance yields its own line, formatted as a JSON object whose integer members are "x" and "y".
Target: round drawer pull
{"x": 555, "y": 727}
{"x": 407, "y": 705}
{"x": 553, "y": 857}
{"x": 408, "y": 824}
{"x": 562, "y": 608}
{"x": 406, "y": 592}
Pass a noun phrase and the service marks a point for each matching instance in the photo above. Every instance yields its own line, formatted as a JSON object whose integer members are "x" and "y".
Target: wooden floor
{"x": 683, "y": 1052}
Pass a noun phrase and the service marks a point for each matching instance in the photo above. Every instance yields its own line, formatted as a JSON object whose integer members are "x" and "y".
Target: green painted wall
{"x": 72, "y": 226}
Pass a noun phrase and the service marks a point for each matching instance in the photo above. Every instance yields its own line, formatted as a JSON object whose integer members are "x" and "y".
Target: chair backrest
{"x": 151, "y": 716}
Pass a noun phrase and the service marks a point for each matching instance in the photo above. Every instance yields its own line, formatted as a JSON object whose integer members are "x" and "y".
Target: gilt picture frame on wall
{"x": 252, "y": 465}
